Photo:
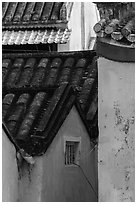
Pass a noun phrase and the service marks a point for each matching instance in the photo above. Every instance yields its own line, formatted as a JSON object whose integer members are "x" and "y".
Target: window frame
{"x": 78, "y": 151}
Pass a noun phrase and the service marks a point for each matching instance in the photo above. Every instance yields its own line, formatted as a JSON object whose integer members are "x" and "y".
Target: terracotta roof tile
{"x": 7, "y": 101}
{"x": 26, "y": 14}
{"x": 34, "y": 23}
{"x": 10, "y": 11}
{"x": 4, "y": 8}
{"x": 34, "y": 94}
{"x": 19, "y": 12}
{"x": 47, "y": 11}
{"x": 5, "y": 66}
{"x": 30, "y": 116}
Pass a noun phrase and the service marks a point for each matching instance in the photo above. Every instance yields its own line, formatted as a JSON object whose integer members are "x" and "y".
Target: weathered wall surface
{"x": 116, "y": 131}
{"x": 19, "y": 183}
{"x": 65, "y": 183}
{"x": 30, "y": 181}
{"x": 9, "y": 171}
{"x": 49, "y": 180}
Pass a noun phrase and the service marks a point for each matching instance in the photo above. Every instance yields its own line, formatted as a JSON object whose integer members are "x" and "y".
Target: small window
{"x": 72, "y": 153}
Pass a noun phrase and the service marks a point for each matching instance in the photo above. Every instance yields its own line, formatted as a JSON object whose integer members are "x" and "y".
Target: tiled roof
{"x": 19, "y": 15}
{"x": 117, "y": 22}
{"x": 35, "y": 92}
{"x": 35, "y": 36}
{"x": 34, "y": 23}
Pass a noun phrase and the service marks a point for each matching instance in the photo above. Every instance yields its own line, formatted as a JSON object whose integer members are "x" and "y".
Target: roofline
{"x": 28, "y": 89}
{"x": 60, "y": 24}
{"x": 82, "y": 115}
{"x": 60, "y": 118}
{"x": 67, "y": 100}
{"x": 5, "y": 129}
{"x": 50, "y": 54}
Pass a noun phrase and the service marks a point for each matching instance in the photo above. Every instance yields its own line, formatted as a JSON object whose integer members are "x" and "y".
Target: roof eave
{"x": 37, "y": 25}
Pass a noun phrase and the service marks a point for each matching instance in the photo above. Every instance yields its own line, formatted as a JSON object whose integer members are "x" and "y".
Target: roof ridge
{"x": 69, "y": 100}
{"x": 50, "y": 54}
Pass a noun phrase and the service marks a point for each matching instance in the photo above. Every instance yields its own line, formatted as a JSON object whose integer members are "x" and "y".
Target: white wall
{"x": 49, "y": 180}
{"x": 116, "y": 131}
{"x": 91, "y": 17}
{"x": 9, "y": 171}
{"x": 84, "y": 16}
{"x": 30, "y": 181}
{"x": 75, "y": 25}
{"x": 68, "y": 184}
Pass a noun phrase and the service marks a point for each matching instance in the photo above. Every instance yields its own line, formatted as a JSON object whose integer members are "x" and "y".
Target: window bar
{"x": 69, "y": 153}
{"x": 73, "y": 154}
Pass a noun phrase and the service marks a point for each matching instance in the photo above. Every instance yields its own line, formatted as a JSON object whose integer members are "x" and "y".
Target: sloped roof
{"x": 17, "y": 15}
{"x": 35, "y": 92}
{"x": 34, "y": 23}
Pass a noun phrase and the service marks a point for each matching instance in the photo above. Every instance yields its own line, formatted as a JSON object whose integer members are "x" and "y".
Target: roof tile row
{"x": 44, "y": 72}
{"x": 35, "y": 37}
{"x": 26, "y": 13}
{"x": 28, "y": 103}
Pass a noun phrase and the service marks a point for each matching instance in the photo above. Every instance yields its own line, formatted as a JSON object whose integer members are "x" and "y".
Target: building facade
{"x": 34, "y": 97}
{"x": 72, "y": 102}
{"x": 116, "y": 102}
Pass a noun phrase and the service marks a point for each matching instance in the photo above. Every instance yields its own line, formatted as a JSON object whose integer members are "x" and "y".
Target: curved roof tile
{"x": 25, "y": 14}
{"x": 39, "y": 90}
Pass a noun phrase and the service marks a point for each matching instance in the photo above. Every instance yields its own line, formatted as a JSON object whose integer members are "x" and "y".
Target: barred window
{"x": 71, "y": 152}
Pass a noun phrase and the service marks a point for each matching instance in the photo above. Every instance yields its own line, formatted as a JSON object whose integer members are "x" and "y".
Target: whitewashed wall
{"x": 83, "y": 17}
{"x": 49, "y": 180}
{"x": 116, "y": 131}
{"x": 9, "y": 171}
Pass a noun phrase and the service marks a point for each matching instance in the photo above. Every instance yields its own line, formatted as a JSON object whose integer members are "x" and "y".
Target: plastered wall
{"x": 116, "y": 131}
{"x": 91, "y": 17}
{"x": 65, "y": 183}
{"x": 30, "y": 181}
{"x": 84, "y": 16}
{"x": 74, "y": 24}
{"x": 9, "y": 171}
{"x": 49, "y": 180}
